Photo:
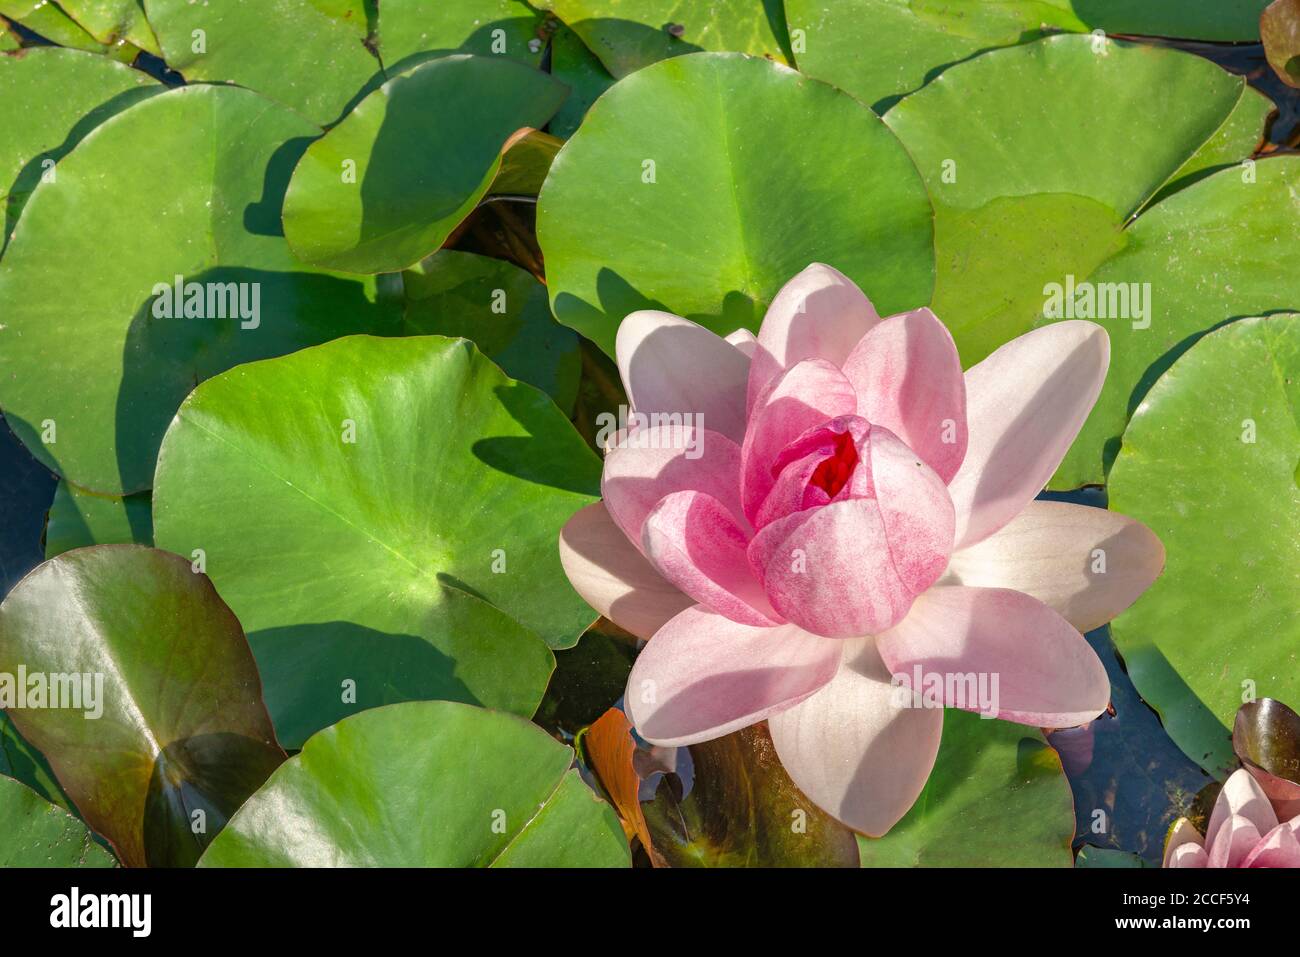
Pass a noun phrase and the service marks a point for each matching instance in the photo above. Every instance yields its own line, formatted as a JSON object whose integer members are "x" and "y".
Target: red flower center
{"x": 833, "y": 473}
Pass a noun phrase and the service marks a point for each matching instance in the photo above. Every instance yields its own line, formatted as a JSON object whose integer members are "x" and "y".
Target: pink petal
{"x": 1188, "y": 855}
{"x": 1025, "y": 404}
{"x": 1047, "y": 675}
{"x": 652, "y": 463}
{"x": 819, "y": 314}
{"x": 613, "y": 577}
{"x": 696, "y": 544}
{"x": 908, "y": 378}
{"x": 744, "y": 340}
{"x": 1235, "y": 839}
{"x": 798, "y": 463}
{"x": 828, "y": 570}
{"x": 808, "y": 395}
{"x": 1241, "y": 796}
{"x": 670, "y": 364}
{"x": 1087, "y": 563}
{"x": 703, "y": 675}
{"x": 916, "y": 510}
{"x": 854, "y": 748}
{"x": 1182, "y": 833}
{"x": 1280, "y": 847}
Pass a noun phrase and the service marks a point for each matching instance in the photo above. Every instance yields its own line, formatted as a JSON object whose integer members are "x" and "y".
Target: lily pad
{"x": 1038, "y": 158}
{"x": 79, "y": 518}
{"x": 509, "y": 28}
{"x": 48, "y": 20}
{"x": 1209, "y": 463}
{"x": 151, "y": 714}
{"x": 879, "y": 50}
{"x": 38, "y": 834}
{"x": 997, "y": 797}
{"x": 425, "y": 784}
{"x": 503, "y": 309}
{"x": 743, "y": 811}
{"x": 111, "y": 21}
{"x": 357, "y": 202}
{"x": 408, "y": 498}
{"x": 53, "y": 98}
{"x": 89, "y": 378}
{"x": 525, "y": 164}
{"x": 20, "y": 761}
{"x": 630, "y": 34}
{"x": 690, "y": 187}
{"x": 291, "y": 51}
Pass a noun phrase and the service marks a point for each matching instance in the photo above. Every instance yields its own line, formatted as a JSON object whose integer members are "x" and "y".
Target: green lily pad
{"x": 38, "y": 834}
{"x": 1209, "y": 463}
{"x": 880, "y": 50}
{"x": 577, "y": 68}
{"x": 997, "y": 797}
{"x": 90, "y": 380}
{"x": 50, "y": 22}
{"x": 358, "y": 203}
{"x": 589, "y": 679}
{"x": 151, "y": 716}
{"x": 1038, "y": 158}
{"x": 79, "y": 518}
{"x": 408, "y": 498}
{"x": 504, "y": 310}
{"x": 111, "y": 21}
{"x": 743, "y": 811}
{"x": 509, "y": 28}
{"x": 53, "y": 98}
{"x": 525, "y": 164}
{"x": 630, "y": 34}
{"x": 690, "y": 187}
{"x": 290, "y": 51}
{"x": 425, "y": 784}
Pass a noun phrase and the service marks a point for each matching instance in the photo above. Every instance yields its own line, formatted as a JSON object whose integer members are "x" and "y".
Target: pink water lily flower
{"x": 1244, "y": 831}
{"x": 851, "y": 507}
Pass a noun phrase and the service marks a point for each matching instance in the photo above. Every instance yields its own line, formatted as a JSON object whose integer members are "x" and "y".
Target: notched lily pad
{"x": 38, "y": 834}
{"x": 78, "y": 518}
{"x": 357, "y": 201}
{"x": 720, "y": 142}
{"x": 90, "y": 377}
{"x": 1209, "y": 464}
{"x": 150, "y": 712}
{"x": 425, "y": 784}
{"x": 409, "y": 497}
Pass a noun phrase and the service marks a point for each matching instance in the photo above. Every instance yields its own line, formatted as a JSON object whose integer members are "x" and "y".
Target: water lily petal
{"x": 916, "y": 510}
{"x": 828, "y": 570}
{"x": 744, "y": 340}
{"x": 1025, "y": 404}
{"x": 670, "y": 364}
{"x": 652, "y": 463}
{"x": 1087, "y": 563}
{"x": 808, "y": 395}
{"x": 703, "y": 675}
{"x": 1236, "y": 838}
{"x": 1241, "y": 796}
{"x": 1183, "y": 832}
{"x": 819, "y": 314}
{"x": 1280, "y": 847}
{"x": 613, "y": 577}
{"x": 1189, "y": 855}
{"x": 908, "y": 378}
{"x": 1047, "y": 674}
{"x": 854, "y": 749}
{"x": 697, "y": 545}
